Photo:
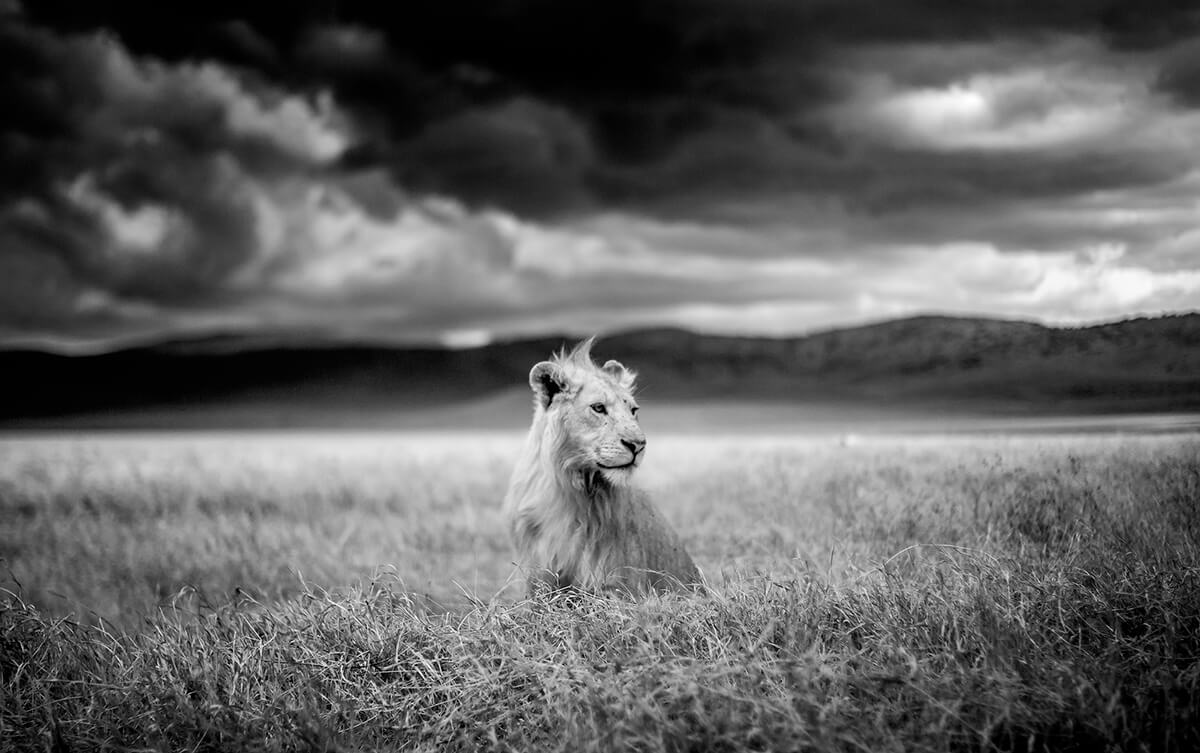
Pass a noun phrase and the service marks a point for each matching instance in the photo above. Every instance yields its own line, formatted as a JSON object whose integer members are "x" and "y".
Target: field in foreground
{"x": 242, "y": 592}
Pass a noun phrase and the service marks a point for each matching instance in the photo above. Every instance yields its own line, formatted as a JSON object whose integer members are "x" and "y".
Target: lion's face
{"x": 600, "y": 422}
{"x": 593, "y": 416}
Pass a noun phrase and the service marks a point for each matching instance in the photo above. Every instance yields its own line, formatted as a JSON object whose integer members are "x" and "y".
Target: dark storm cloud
{"x": 472, "y": 163}
{"x": 533, "y": 155}
{"x": 236, "y": 41}
{"x": 131, "y": 177}
{"x": 544, "y": 107}
{"x": 82, "y": 100}
{"x": 1180, "y": 73}
{"x": 681, "y": 106}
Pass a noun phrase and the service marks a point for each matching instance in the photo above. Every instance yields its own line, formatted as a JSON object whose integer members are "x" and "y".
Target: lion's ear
{"x": 547, "y": 380}
{"x": 618, "y": 372}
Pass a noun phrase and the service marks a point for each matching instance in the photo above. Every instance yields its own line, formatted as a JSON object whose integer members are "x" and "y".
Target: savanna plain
{"x": 350, "y": 591}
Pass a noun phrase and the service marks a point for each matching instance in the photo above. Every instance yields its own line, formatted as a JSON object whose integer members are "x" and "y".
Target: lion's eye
{"x": 599, "y": 408}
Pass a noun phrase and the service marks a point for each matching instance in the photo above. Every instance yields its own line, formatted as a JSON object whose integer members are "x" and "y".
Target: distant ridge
{"x": 1146, "y": 364}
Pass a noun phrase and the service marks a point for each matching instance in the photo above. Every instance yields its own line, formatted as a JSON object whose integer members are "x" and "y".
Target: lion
{"x": 574, "y": 518}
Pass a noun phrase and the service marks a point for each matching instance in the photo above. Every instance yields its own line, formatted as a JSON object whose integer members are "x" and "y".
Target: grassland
{"x": 346, "y": 592}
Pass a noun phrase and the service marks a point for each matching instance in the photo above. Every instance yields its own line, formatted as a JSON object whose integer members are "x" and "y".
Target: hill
{"x": 1140, "y": 365}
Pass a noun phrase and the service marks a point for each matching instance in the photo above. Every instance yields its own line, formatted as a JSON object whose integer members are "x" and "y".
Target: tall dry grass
{"x": 894, "y": 594}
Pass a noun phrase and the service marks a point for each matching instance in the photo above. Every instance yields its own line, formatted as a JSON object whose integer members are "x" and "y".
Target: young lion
{"x": 574, "y": 519}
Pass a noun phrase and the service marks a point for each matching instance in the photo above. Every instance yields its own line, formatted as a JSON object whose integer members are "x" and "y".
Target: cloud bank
{"x": 396, "y": 174}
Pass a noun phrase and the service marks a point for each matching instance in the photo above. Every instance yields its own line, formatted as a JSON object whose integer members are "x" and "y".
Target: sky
{"x": 464, "y": 170}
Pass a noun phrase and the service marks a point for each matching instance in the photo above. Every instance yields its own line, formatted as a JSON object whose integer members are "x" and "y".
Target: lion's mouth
{"x": 617, "y": 467}
{"x": 632, "y": 462}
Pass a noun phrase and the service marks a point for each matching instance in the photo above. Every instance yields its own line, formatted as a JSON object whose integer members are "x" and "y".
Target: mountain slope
{"x": 1136, "y": 365}
{"x": 942, "y": 356}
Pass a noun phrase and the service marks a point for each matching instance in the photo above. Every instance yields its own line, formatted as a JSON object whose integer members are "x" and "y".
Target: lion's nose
{"x": 635, "y": 446}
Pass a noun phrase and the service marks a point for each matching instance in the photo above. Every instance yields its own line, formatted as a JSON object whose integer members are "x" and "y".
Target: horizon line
{"x": 462, "y": 340}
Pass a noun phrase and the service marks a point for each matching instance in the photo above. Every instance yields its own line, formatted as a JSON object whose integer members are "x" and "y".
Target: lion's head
{"x": 590, "y": 414}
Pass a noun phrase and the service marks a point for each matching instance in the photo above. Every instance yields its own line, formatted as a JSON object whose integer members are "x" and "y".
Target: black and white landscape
{"x": 912, "y": 290}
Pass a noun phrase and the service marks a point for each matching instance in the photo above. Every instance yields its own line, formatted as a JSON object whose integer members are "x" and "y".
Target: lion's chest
{"x": 578, "y": 545}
